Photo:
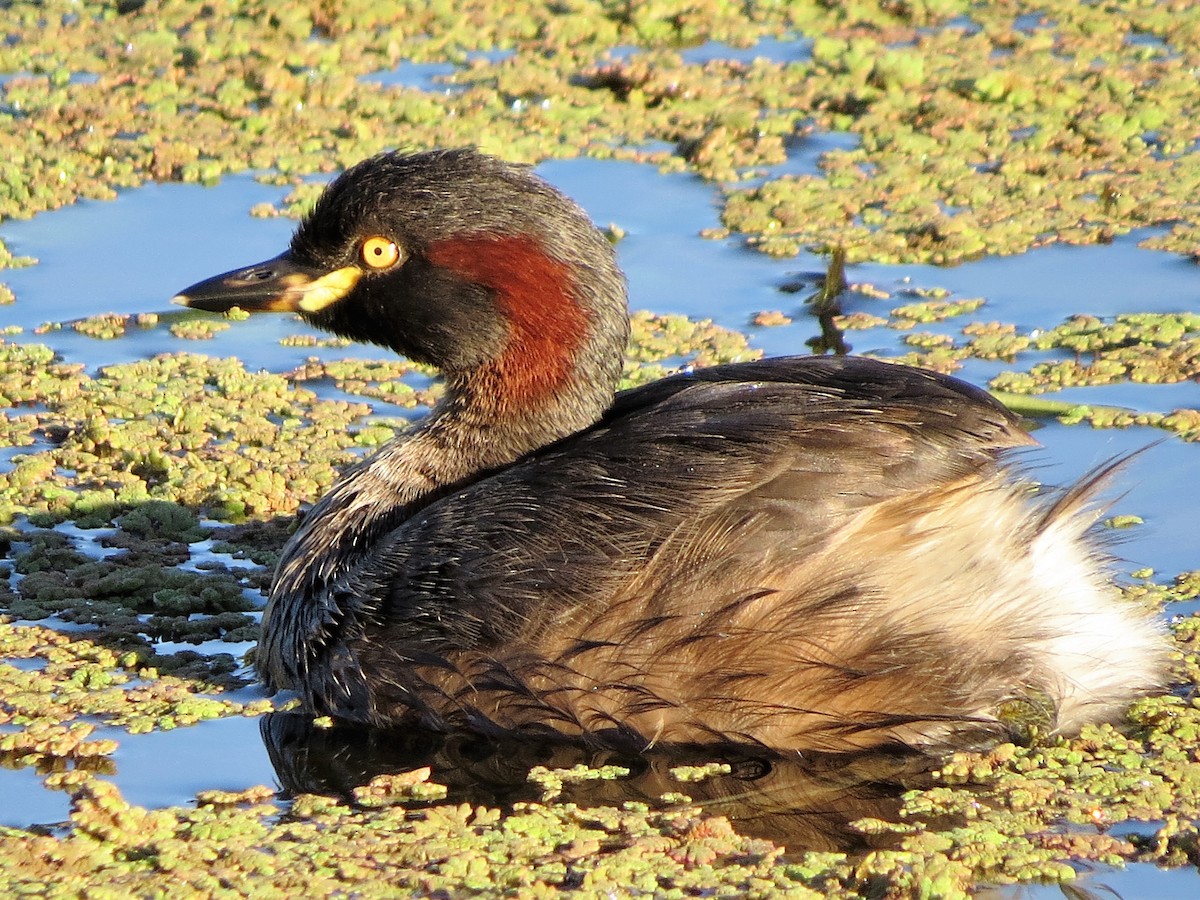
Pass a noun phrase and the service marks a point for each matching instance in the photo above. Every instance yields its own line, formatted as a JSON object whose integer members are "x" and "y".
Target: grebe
{"x": 797, "y": 553}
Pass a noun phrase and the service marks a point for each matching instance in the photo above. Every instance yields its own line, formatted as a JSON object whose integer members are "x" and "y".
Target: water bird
{"x": 801, "y": 553}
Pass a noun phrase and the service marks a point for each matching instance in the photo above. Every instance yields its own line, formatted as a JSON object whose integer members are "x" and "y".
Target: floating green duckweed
{"x": 960, "y": 150}
{"x": 104, "y": 327}
{"x": 699, "y": 773}
{"x": 859, "y": 321}
{"x": 134, "y": 597}
{"x": 1022, "y": 813}
{"x": 1143, "y": 348}
{"x": 678, "y": 341}
{"x": 54, "y": 707}
{"x": 551, "y": 781}
{"x": 770, "y": 319}
{"x": 1123, "y": 521}
{"x": 995, "y": 340}
{"x": 184, "y": 429}
{"x": 936, "y": 310}
{"x": 30, "y": 372}
{"x": 312, "y": 340}
{"x": 241, "y": 842}
{"x": 198, "y": 329}
{"x": 377, "y": 380}
{"x": 388, "y": 790}
{"x": 294, "y": 205}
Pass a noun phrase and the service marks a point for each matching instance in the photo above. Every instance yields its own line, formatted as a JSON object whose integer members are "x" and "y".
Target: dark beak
{"x": 276, "y": 285}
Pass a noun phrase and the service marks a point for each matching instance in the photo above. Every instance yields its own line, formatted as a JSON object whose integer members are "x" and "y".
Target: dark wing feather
{"x": 808, "y": 440}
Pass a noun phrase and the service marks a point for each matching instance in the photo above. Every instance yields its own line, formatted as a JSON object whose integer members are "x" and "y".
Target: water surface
{"x": 132, "y": 254}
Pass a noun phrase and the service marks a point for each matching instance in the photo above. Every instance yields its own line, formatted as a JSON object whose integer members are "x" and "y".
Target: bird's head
{"x": 451, "y": 258}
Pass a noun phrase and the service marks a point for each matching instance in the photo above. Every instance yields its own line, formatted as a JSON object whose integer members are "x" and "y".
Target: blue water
{"x": 797, "y": 49}
{"x": 1137, "y": 881}
{"x": 432, "y": 77}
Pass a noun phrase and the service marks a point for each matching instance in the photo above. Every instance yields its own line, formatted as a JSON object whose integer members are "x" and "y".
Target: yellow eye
{"x": 379, "y": 252}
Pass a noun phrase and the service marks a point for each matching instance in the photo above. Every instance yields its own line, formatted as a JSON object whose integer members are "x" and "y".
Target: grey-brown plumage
{"x": 804, "y": 552}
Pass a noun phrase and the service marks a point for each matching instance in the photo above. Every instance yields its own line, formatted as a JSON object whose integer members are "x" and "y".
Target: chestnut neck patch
{"x": 534, "y": 293}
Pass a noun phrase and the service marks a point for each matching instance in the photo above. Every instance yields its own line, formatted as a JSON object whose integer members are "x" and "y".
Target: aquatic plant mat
{"x": 142, "y": 504}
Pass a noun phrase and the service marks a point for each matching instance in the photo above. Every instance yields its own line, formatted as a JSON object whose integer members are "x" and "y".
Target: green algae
{"x": 197, "y": 329}
{"x": 660, "y": 344}
{"x": 56, "y": 706}
{"x": 103, "y": 327}
{"x": 179, "y": 428}
{"x": 962, "y": 151}
{"x": 936, "y": 310}
{"x": 240, "y": 842}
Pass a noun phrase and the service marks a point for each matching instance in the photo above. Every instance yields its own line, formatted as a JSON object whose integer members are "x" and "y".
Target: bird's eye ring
{"x": 379, "y": 252}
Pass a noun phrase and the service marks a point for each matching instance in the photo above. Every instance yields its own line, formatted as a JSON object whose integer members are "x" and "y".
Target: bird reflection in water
{"x": 803, "y": 802}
